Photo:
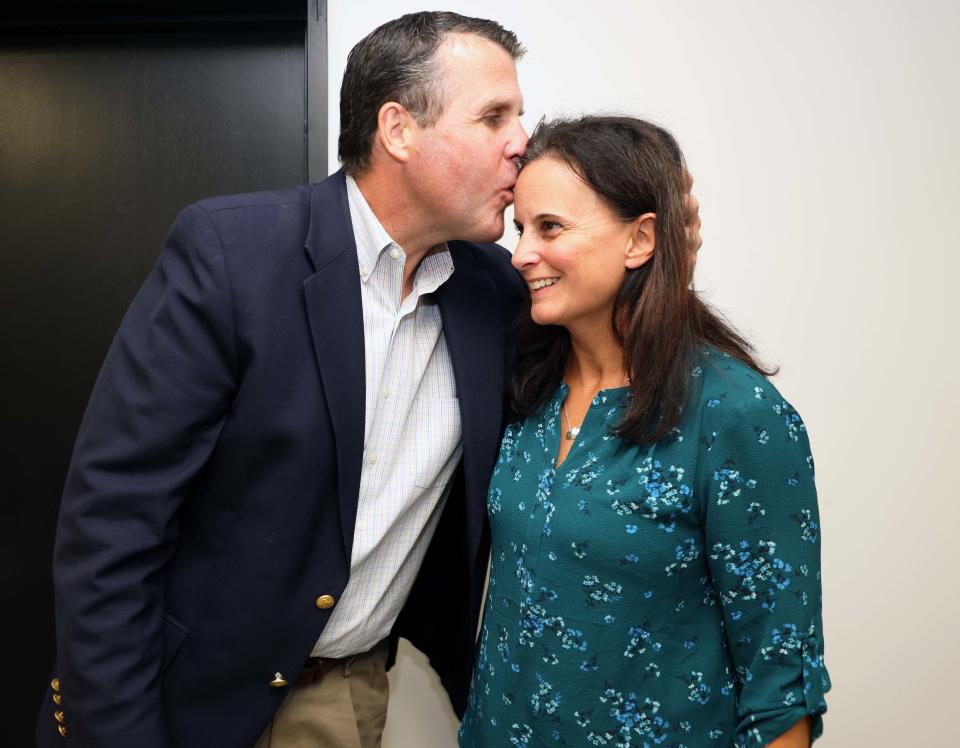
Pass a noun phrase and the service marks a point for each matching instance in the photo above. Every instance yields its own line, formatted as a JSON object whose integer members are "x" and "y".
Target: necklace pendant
{"x": 572, "y": 433}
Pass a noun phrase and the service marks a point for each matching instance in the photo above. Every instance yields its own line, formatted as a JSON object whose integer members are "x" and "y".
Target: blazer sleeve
{"x": 762, "y": 532}
{"x": 153, "y": 419}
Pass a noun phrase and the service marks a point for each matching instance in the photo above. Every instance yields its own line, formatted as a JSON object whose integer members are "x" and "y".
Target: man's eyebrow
{"x": 498, "y": 105}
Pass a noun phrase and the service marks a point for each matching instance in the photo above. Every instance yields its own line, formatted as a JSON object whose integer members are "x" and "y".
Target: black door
{"x": 110, "y": 123}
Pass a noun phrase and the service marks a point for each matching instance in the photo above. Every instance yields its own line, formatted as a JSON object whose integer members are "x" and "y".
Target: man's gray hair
{"x": 397, "y": 62}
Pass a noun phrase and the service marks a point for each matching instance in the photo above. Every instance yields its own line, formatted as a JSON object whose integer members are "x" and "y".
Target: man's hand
{"x": 691, "y": 217}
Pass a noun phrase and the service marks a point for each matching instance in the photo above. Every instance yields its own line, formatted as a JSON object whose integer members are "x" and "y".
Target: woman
{"x": 655, "y": 576}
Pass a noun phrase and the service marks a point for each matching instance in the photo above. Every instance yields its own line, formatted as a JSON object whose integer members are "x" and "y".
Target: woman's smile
{"x": 541, "y": 284}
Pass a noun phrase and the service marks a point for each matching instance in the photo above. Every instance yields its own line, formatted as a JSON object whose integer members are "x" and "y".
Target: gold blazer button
{"x": 325, "y": 601}
{"x": 58, "y": 715}
{"x": 55, "y": 684}
{"x": 57, "y": 699}
{"x": 278, "y": 681}
{"x": 62, "y": 730}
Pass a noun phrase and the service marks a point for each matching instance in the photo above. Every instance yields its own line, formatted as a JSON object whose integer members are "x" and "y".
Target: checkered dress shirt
{"x": 412, "y": 434}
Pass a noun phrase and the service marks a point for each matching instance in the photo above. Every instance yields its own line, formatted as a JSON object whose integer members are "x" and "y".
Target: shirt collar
{"x": 371, "y": 237}
{"x": 434, "y": 270}
{"x": 373, "y": 240}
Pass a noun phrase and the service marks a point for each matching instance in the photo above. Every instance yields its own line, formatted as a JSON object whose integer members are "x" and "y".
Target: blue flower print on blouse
{"x": 653, "y": 595}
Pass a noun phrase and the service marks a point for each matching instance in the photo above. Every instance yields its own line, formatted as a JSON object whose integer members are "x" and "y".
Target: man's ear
{"x": 642, "y": 242}
{"x": 396, "y": 131}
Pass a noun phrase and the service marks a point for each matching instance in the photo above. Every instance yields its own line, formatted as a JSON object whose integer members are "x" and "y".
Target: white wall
{"x": 823, "y": 138}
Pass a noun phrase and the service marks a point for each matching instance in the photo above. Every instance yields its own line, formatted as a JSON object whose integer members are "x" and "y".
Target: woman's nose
{"x": 524, "y": 255}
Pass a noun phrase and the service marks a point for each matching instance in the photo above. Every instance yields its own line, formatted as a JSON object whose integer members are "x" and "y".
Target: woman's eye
{"x": 518, "y": 228}
{"x": 549, "y": 226}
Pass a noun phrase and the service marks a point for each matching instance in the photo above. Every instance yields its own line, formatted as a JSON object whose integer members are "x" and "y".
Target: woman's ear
{"x": 396, "y": 131}
{"x": 643, "y": 240}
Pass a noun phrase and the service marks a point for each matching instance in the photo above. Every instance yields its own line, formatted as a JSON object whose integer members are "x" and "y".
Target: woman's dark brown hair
{"x": 636, "y": 168}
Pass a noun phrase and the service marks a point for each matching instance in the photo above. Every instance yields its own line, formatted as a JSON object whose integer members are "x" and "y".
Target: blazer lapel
{"x": 472, "y": 324}
{"x": 335, "y": 312}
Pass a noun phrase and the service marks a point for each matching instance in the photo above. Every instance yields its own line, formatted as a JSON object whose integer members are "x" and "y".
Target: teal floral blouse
{"x": 664, "y": 595}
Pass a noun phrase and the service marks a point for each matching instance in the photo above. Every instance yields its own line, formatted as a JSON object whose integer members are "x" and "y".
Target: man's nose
{"x": 517, "y": 143}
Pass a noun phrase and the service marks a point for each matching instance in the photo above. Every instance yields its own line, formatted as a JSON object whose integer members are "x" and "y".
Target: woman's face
{"x": 573, "y": 250}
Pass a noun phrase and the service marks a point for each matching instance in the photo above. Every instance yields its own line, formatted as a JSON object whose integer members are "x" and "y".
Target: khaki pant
{"x": 346, "y": 708}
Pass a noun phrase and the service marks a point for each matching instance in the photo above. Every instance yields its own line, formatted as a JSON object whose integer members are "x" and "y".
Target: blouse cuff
{"x": 760, "y": 727}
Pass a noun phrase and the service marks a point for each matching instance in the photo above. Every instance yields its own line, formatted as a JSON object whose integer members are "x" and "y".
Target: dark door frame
{"x": 57, "y": 21}
{"x": 316, "y": 90}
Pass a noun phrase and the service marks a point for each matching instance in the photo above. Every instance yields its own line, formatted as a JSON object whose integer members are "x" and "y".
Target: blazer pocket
{"x": 174, "y": 635}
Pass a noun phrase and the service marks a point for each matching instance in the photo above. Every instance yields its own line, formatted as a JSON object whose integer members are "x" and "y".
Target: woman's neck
{"x": 596, "y": 361}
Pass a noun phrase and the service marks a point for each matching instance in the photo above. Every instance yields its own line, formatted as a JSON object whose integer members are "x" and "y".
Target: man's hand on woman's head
{"x": 691, "y": 217}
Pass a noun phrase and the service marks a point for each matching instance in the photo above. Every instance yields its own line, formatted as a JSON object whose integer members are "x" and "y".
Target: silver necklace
{"x": 571, "y": 433}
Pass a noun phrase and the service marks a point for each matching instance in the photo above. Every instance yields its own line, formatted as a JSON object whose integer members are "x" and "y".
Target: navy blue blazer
{"x": 212, "y": 493}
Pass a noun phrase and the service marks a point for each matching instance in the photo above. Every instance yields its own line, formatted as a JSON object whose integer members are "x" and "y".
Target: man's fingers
{"x": 694, "y": 241}
{"x": 691, "y": 217}
{"x": 692, "y": 221}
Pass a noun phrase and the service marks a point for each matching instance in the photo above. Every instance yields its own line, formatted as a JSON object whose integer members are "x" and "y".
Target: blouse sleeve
{"x": 762, "y": 533}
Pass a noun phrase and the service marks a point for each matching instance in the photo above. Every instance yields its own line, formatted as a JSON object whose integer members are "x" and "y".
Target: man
{"x": 283, "y": 463}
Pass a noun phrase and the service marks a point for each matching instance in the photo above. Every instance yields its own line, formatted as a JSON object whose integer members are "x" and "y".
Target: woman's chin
{"x": 544, "y": 318}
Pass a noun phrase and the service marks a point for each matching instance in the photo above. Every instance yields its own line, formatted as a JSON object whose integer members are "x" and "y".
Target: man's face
{"x": 464, "y": 166}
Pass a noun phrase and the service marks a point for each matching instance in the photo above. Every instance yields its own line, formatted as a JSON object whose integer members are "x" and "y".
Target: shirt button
{"x": 372, "y": 460}
{"x": 386, "y": 392}
{"x": 395, "y": 253}
{"x": 361, "y": 526}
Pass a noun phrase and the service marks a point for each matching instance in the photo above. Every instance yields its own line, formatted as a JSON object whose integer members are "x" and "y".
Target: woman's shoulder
{"x": 717, "y": 370}
{"x": 732, "y": 394}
